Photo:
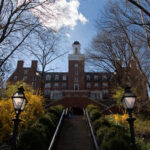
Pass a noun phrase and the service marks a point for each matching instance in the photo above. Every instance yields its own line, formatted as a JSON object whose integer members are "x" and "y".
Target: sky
{"x": 83, "y": 31}
{"x": 78, "y": 19}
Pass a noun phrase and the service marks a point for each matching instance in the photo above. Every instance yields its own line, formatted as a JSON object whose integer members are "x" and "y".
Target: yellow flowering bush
{"x": 121, "y": 119}
{"x": 33, "y": 110}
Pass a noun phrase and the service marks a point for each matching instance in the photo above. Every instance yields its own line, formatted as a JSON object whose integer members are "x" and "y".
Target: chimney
{"x": 20, "y": 64}
{"x": 34, "y": 64}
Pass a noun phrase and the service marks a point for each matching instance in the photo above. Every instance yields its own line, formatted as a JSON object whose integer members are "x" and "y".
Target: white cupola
{"x": 76, "y": 55}
{"x": 76, "y": 48}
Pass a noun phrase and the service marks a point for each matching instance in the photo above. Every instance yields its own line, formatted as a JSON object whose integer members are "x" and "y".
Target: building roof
{"x": 76, "y": 42}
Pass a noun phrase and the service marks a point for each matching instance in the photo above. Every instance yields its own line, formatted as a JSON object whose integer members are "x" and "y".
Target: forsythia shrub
{"x": 33, "y": 110}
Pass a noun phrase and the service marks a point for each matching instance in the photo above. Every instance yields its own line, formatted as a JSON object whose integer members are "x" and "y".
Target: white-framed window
{"x": 96, "y": 85}
{"x": 104, "y": 77}
{"x": 76, "y": 86}
{"x": 47, "y": 85}
{"x": 56, "y": 95}
{"x": 47, "y": 92}
{"x": 75, "y": 79}
{"x": 104, "y": 84}
{"x": 76, "y": 72}
{"x": 105, "y": 92}
{"x": 56, "y": 85}
{"x": 64, "y": 85}
{"x": 88, "y": 77}
{"x": 48, "y": 77}
{"x": 25, "y": 71}
{"x": 88, "y": 85}
{"x": 76, "y": 65}
{"x": 96, "y": 95}
{"x": 15, "y": 78}
{"x": 64, "y": 77}
{"x": 25, "y": 78}
{"x": 96, "y": 77}
{"x": 56, "y": 77}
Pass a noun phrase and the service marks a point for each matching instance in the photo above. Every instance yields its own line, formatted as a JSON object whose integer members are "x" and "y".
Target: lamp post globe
{"x": 19, "y": 102}
{"x": 128, "y": 101}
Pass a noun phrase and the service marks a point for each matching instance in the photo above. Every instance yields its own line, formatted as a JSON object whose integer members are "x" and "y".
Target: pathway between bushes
{"x": 74, "y": 135}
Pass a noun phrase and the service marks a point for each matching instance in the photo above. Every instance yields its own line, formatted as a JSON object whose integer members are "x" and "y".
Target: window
{"x": 25, "y": 78}
{"x": 105, "y": 92}
{"x": 64, "y": 77}
{"x": 104, "y": 77}
{"x": 56, "y": 77}
{"x": 34, "y": 84}
{"x": 105, "y": 84}
{"x": 76, "y": 65}
{"x": 76, "y": 86}
{"x": 25, "y": 72}
{"x": 47, "y": 92}
{"x": 96, "y": 95}
{"x": 64, "y": 85}
{"x": 88, "y": 77}
{"x": 96, "y": 85}
{"x": 88, "y": 85}
{"x": 56, "y": 85}
{"x": 47, "y": 85}
{"x": 56, "y": 95}
{"x": 76, "y": 50}
{"x": 34, "y": 78}
{"x": 15, "y": 78}
{"x": 76, "y": 72}
{"x": 76, "y": 79}
{"x": 96, "y": 77}
{"x": 48, "y": 77}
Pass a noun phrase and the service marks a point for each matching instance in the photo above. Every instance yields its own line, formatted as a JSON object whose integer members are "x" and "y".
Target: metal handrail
{"x": 91, "y": 130}
{"x": 56, "y": 131}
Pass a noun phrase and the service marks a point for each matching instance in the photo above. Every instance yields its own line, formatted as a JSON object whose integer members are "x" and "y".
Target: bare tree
{"x": 46, "y": 51}
{"x": 17, "y": 22}
{"x": 120, "y": 39}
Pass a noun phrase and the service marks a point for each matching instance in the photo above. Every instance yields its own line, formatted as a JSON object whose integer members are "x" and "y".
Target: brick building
{"x": 74, "y": 83}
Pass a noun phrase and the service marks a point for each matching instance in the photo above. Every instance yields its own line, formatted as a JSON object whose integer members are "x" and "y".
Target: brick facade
{"x": 74, "y": 83}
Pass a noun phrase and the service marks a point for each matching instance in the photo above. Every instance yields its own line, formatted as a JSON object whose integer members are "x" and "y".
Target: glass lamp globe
{"x": 128, "y": 99}
{"x": 19, "y": 100}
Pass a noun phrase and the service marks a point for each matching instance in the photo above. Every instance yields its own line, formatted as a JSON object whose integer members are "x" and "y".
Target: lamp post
{"x": 19, "y": 102}
{"x": 128, "y": 101}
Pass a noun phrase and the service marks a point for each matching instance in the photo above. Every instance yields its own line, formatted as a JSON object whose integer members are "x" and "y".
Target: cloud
{"x": 59, "y": 14}
{"x": 68, "y": 35}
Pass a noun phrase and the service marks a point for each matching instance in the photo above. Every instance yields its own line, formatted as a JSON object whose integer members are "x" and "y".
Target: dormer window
{"x": 56, "y": 77}
{"x": 64, "y": 77}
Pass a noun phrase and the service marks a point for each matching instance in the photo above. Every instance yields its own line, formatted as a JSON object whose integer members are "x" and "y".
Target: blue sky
{"x": 78, "y": 18}
{"x": 81, "y": 32}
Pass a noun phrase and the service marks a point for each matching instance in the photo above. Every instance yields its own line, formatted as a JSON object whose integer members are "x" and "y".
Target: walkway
{"x": 74, "y": 135}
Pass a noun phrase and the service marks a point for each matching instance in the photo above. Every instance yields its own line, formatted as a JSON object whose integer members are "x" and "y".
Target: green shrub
{"x": 100, "y": 122}
{"x": 56, "y": 110}
{"x": 95, "y": 114}
{"x": 32, "y": 139}
{"x": 116, "y": 143}
{"x": 104, "y": 133}
{"x": 89, "y": 108}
